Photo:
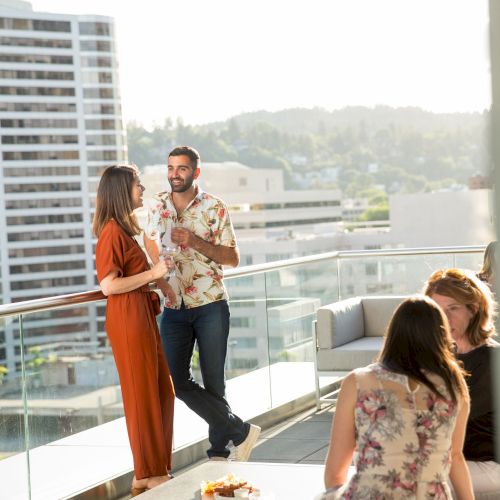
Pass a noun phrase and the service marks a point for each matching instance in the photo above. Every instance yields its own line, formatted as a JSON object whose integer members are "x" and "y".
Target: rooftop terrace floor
{"x": 301, "y": 439}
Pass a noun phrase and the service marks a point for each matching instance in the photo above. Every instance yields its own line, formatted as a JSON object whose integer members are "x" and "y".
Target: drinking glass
{"x": 167, "y": 247}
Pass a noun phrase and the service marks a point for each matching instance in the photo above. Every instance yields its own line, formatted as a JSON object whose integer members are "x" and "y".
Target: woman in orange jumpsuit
{"x": 124, "y": 273}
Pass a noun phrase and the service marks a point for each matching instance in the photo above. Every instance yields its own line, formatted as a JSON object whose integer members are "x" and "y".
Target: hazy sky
{"x": 206, "y": 60}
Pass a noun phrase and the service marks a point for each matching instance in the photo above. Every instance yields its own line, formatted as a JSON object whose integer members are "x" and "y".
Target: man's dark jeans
{"x": 208, "y": 325}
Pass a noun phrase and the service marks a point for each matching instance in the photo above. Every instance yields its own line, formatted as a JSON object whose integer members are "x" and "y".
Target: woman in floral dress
{"x": 404, "y": 415}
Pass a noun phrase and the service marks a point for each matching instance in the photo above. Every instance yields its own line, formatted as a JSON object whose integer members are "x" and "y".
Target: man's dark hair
{"x": 188, "y": 151}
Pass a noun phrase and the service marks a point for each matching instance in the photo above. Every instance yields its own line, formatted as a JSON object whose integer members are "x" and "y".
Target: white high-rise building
{"x": 60, "y": 125}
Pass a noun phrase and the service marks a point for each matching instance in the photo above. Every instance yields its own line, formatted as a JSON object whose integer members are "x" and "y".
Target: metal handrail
{"x": 48, "y": 303}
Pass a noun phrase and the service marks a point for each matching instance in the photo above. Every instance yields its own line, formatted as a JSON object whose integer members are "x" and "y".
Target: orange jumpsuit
{"x": 147, "y": 389}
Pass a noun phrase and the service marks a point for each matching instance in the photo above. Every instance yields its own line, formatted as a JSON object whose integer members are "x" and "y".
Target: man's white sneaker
{"x": 244, "y": 449}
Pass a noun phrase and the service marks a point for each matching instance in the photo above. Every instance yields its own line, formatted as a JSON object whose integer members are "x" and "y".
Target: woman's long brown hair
{"x": 418, "y": 340}
{"x": 114, "y": 199}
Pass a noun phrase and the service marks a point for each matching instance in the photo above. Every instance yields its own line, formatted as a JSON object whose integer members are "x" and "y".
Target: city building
{"x": 60, "y": 124}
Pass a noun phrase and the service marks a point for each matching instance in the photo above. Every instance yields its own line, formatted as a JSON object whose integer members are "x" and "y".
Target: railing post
{"x": 24, "y": 395}
{"x": 339, "y": 293}
{"x": 268, "y": 343}
{"x": 494, "y": 26}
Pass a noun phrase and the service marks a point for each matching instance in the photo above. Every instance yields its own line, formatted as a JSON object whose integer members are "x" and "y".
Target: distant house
{"x": 479, "y": 181}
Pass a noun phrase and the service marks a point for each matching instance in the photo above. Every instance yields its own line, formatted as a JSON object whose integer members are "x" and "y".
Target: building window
{"x": 101, "y": 140}
{"x": 97, "y": 77}
{"x": 39, "y": 171}
{"x": 244, "y": 322}
{"x": 244, "y": 342}
{"x": 60, "y": 234}
{"x": 40, "y": 139}
{"x": 38, "y": 107}
{"x": 244, "y": 364}
{"x": 8, "y": 23}
{"x": 57, "y": 329}
{"x": 47, "y": 283}
{"x": 96, "y": 62}
{"x": 34, "y": 42}
{"x": 36, "y": 59}
{"x": 96, "y": 93}
{"x": 44, "y": 219}
{"x": 102, "y": 156}
{"x": 36, "y": 75}
{"x": 98, "y": 29}
{"x": 50, "y": 203}
{"x": 40, "y": 155}
{"x": 42, "y": 187}
{"x": 246, "y": 260}
{"x": 47, "y": 267}
{"x": 96, "y": 171}
{"x": 38, "y": 123}
{"x": 47, "y": 91}
{"x": 44, "y": 25}
{"x": 19, "y": 253}
{"x": 103, "y": 124}
{"x": 95, "y": 46}
{"x": 100, "y": 109}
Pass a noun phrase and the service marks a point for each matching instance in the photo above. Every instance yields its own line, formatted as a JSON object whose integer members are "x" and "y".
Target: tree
{"x": 380, "y": 212}
{"x": 3, "y": 372}
{"x": 360, "y": 183}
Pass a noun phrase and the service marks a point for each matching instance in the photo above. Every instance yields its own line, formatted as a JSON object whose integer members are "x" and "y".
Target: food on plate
{"x": 225, "y": 486}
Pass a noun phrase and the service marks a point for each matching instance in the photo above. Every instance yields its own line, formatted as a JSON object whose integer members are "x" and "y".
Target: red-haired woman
{"x": 467, "y": 302}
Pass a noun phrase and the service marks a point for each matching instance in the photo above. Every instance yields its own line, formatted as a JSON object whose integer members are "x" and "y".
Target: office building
{"x": 60, "y": 125}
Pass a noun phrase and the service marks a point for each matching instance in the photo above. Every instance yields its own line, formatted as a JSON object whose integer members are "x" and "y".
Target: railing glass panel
{"x": 391, "y": 275}
{"x": 62, "y": 386}
{"x": 248, "y": 353}
{"x": 293, "y": 296}
{"x": 14, "y": 421}
{"x": 71, "y": 379}
{"x": 12, "y": 436}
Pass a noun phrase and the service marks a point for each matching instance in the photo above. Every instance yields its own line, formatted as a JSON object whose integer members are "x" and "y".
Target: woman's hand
{"x": 160, "y": 269}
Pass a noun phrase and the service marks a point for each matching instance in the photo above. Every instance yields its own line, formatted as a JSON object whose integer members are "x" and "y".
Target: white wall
{"x": 442, "y": 218}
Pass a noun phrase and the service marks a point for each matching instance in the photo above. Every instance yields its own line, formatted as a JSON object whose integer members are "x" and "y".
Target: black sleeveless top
{"x": 479, "y": 442}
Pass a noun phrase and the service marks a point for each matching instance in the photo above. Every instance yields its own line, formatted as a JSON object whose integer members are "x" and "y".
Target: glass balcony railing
{"x": 61, "y": 399}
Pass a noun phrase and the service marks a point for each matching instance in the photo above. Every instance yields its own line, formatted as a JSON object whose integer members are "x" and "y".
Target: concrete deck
{"x": 302, "y": 439}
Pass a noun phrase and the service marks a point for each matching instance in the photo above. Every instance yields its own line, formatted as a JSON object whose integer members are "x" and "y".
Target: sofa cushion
{"x": 339, "y": 323}
{"x": 349, "y": 356}
{"x": 377, "y": 312}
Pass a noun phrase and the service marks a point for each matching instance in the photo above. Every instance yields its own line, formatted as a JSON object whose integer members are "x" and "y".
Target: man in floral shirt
{"x": 196, "y": 307}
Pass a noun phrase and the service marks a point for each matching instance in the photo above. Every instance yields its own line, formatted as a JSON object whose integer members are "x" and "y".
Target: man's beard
{"x": 181, "y": 188}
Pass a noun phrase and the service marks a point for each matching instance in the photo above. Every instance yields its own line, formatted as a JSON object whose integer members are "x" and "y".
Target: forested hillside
{"x": 354, "y": 149}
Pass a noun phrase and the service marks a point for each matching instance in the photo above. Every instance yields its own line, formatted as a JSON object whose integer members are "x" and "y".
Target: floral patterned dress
{"x": 403, "y": 438}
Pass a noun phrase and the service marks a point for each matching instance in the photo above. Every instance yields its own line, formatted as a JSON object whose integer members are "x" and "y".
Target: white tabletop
{"x": 276, "y": 481}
